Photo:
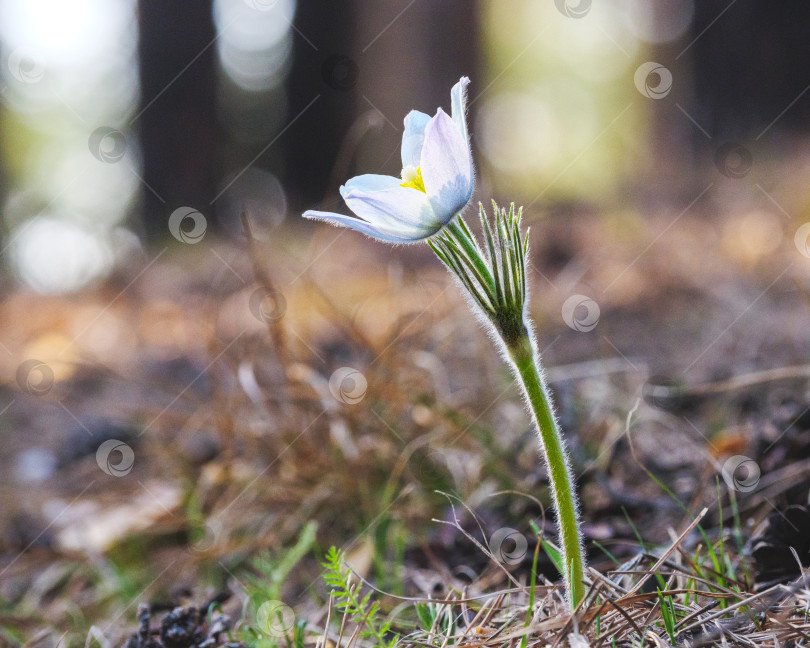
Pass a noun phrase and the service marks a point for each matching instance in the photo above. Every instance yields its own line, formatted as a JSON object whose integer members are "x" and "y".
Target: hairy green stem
{"x": 495, "y": 278}
{"x": 525, "y": 365}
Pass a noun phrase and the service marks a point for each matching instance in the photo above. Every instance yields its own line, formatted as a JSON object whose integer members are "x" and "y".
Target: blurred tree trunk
{"x": 375, "y": 57}
{"x": 324, "y": 67}
{"x": 177, "y": 116}
{"x": 749, "y": 63}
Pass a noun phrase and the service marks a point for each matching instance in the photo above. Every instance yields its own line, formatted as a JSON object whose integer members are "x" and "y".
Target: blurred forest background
{"x": 115, "y": 113}
{"x": 661, "y": 150}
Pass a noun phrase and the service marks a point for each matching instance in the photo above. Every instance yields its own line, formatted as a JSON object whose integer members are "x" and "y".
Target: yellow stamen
{"x": 413, "y": 178}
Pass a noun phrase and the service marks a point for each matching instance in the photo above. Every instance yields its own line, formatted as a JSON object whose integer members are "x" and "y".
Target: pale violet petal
{"x": 446, "y": 167}
{"x": 370, "y": 182}
{"x": 391, "y": 226}
{"x": 458, "y": 104}
{"x": 413, "y": 137}
{"x": 356, "y": 224}
{"x": 399, "y": 211}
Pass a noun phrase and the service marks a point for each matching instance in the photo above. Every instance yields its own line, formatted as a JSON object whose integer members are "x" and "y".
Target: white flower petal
{"x": 458, "y": 105}
{"x": 370, "y": 182}
{"x": 399, "y": 211}
{"x": 413, "y": 137}
{"x": 446, "y": 167}
{"x": 356, "y": 224}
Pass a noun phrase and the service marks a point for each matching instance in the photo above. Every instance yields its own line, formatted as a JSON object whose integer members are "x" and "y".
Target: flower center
{"x": 412, "y": 177}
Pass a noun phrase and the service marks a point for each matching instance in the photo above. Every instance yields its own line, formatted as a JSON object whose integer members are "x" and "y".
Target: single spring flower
{"x": 436, "y": 183}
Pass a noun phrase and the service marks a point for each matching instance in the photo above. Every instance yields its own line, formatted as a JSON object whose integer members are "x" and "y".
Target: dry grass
{"x": 672, "y": 598}
{"x": 189, "y": 363}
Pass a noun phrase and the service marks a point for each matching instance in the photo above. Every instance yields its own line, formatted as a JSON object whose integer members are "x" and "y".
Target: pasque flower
{"x": 436, "y": 183}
